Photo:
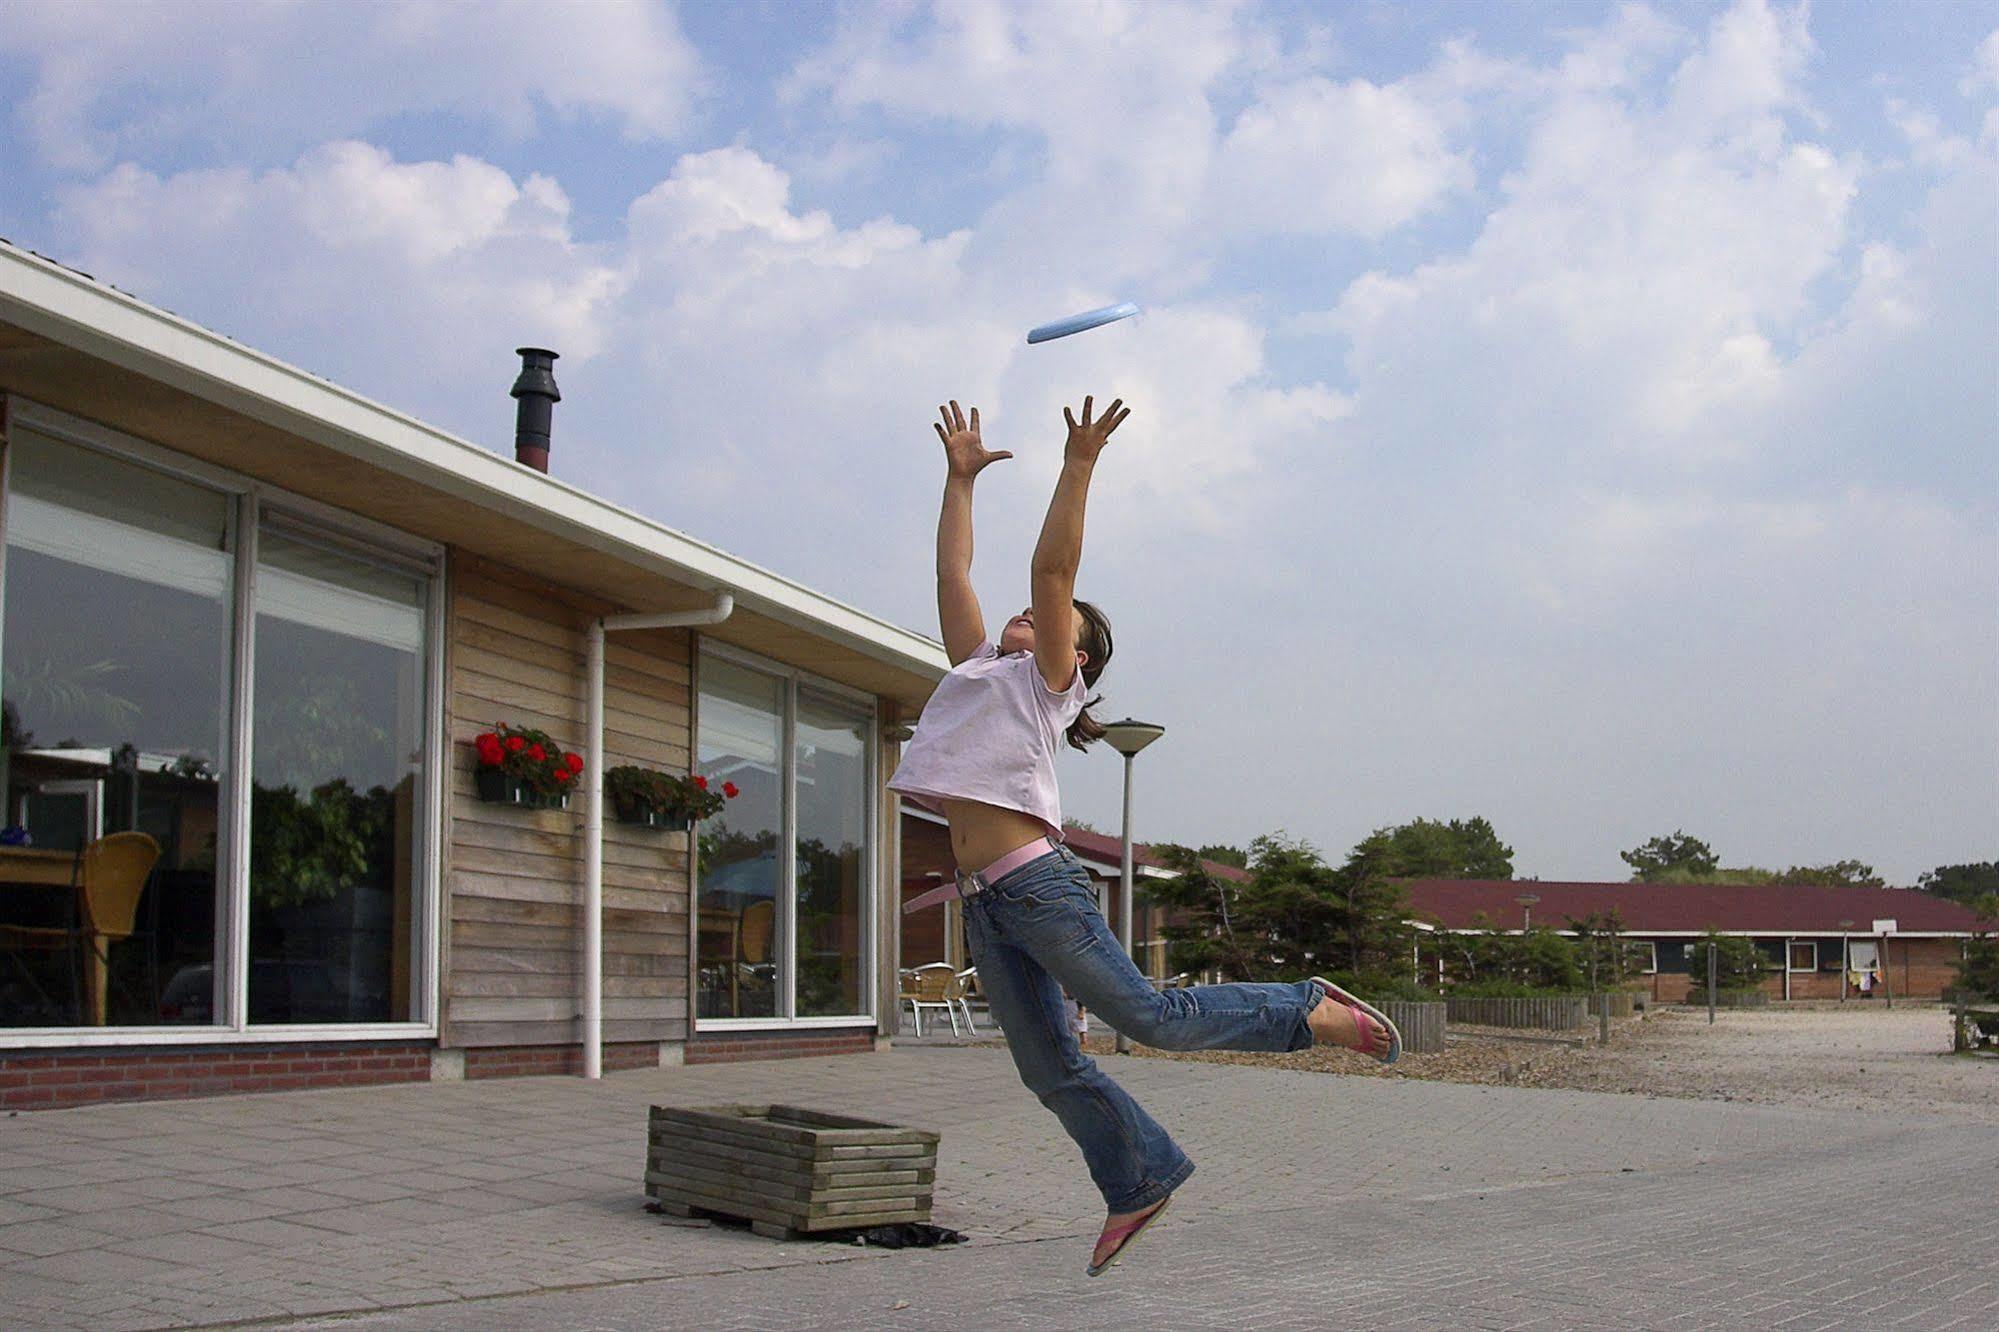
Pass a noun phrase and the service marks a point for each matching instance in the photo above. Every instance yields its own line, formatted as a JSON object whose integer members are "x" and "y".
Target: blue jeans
{"x": 1036, "y": 932}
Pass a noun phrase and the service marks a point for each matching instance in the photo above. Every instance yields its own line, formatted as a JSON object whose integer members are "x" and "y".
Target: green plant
{"x": 1605, "y": 954}
{"x": 315, "y": 847}
{"x": 1979, "y": 972}
{"x": 1737, "y": 963}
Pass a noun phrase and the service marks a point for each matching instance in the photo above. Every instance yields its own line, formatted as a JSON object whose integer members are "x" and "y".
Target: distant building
{"x": 1810, "y": 938}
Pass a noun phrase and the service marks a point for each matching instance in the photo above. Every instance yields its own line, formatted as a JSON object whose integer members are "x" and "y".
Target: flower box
{"x": 649, "y": 798}
{"x": 644, "y": 817}
{"x": 522, "y": 766}
{"x": 497, "y": 788}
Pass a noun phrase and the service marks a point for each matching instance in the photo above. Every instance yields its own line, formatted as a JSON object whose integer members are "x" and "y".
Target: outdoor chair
{"x": 111, "y": 875}
{"x": 968, "y": 982}
{"x": 932, "y": 985}
{"x": 753, "y": 957}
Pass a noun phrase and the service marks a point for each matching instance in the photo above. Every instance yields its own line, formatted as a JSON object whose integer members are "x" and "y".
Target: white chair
{"x": 967, "y": 978}
{"x": 932, "y": 985}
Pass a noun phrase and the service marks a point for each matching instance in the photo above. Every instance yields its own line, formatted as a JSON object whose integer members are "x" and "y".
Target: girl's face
{"x": 1018, "y": 636}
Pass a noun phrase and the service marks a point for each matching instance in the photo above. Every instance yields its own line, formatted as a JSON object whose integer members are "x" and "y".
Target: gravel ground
{"x": 1864, "y": 1058}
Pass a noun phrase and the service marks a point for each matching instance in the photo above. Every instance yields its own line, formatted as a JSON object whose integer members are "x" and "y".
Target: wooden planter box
{"x": 788, "y": 1172}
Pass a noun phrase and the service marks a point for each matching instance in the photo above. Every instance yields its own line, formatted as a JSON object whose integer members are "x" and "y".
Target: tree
{"x": 1485, "y": 960}
{"x": 1431, "y": 849}
{"x": 1727, "y": 874}
{"x": 1295, "y": 915}
{"x": 1605, "y": 954}
{"x": 1738, "y": 966}
{"x": 1961, "y": 883}
{"x": 1225, "y": 855}
{"x": 1839, "y": 874}
{"x": 1652, "y": 861}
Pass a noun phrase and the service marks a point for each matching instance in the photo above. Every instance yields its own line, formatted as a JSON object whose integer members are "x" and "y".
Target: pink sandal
{"x": 1124, "y": 1235}
{"x": 1368, "y": 1018}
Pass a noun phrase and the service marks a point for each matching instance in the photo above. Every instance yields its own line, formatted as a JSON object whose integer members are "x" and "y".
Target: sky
{"x": 1581, "y": 415}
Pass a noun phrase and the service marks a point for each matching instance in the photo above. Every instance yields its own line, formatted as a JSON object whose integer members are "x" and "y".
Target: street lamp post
{"x": 1526, "y": 902}
{"x": 1845, "y": 957}
{"x": 1127, "y": 737}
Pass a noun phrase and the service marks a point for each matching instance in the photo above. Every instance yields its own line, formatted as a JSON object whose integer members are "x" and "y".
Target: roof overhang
{"x": 69, "y": 342}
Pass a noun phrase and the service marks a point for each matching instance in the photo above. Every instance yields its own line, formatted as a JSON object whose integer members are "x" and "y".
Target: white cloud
{"x": 115, "y": 80}
{"x": 1315, "y": 156}
{"x": 400, "y": 273}
{"x": 1626, "y": 293}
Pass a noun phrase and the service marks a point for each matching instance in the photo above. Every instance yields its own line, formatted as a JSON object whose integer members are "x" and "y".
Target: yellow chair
{"x": 111, "y": 876}
{"x": 753, "y": 941}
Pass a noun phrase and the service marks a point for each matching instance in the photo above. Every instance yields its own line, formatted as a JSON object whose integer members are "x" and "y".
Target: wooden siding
{"x": 513, "y": 963}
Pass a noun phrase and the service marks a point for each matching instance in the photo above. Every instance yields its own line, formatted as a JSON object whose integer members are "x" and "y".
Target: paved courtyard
{"x": 1320, "y": 1201}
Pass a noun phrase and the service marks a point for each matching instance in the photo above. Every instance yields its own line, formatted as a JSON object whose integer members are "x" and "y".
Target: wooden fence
{"x": 1421, "y": 1025}
{"x": 1563, "y": 1013}
{"x": 1622, "y": 1003}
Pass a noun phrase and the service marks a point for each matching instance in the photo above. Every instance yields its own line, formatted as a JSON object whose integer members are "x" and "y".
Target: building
{"x": 259, "y": 620}
{"x": 1809, "y": 937}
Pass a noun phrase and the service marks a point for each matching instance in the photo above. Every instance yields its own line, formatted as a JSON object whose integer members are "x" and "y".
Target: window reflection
{"x": 741, "y": 741}
{"x": 112, "y": 724}
{"x": 832, "y": 782}
{"x": 338, "y": 754}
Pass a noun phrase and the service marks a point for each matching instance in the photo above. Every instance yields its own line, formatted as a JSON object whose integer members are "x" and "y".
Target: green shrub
{"x": 1509, "y": 989}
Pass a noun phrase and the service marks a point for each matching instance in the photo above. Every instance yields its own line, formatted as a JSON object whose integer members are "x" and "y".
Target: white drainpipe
{"x": 593, "y": 811}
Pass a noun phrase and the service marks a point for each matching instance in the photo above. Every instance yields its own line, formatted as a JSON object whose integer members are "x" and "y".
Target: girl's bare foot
{"x": 1114, "y": 1224}
{"x": 1333, "y": 1023}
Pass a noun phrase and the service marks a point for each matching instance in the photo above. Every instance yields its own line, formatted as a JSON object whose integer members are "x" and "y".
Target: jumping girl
{"x": 983, "y": 755}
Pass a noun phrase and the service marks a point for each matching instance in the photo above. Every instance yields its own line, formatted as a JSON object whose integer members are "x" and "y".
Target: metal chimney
{"x": 536, "y": 392}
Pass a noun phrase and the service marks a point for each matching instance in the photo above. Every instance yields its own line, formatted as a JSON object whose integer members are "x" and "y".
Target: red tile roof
{"x": 1099, "y": 847}
{"x": 1731, "y": 908}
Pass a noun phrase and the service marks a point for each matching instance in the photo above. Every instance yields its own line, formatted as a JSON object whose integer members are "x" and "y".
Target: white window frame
{"x": 1790, "y": 958}
{"x": 793, "y": 677}
{"x": 247, "y": 499}
{"x": 1651, "y": 967}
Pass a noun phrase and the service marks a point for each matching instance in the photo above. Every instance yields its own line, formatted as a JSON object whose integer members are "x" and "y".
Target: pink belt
{"x": 970, "y": 885}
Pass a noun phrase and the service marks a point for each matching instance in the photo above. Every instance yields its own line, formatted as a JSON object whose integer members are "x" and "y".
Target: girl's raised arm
{"x": 1060, "y": 550}
{"x": 965, "y": 456}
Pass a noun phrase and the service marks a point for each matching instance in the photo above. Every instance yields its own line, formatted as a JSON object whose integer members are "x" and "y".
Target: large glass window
{"x": 115, "y": 704}
{"x": 335, "y": 774}
{"x": 802, "y": 818}
{"x": 143, "y": 882}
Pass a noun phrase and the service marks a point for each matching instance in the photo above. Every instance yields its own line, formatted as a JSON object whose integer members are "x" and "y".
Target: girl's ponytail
{"x": 1094, "y": 638}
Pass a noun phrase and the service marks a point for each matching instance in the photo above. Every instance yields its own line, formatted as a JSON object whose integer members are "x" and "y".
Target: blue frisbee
{"x": 1081, "y": 323}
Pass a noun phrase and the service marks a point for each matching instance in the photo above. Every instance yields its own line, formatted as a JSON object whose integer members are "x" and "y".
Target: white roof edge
{"x": 68, "y": 307}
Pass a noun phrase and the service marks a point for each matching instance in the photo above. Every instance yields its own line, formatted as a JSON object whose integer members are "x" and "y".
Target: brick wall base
{"x": 535, "y": 1061}
{"x": 723, "y": 1047}
{"x": 49, "y": 1080}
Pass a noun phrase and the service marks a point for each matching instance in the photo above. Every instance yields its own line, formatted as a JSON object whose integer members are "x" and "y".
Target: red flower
{"x": 729, "y": 790}
{"x": 490, "y": 753}
{"x": 515, "y": 744}
{"x": 564, "y": 775}
{"x": 537, "y": 753}
{"x": 574, "y": 762}
{"x": 701, "y": 782}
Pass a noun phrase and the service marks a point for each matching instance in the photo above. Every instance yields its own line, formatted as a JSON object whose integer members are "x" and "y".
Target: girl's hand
{"x": 963, "y": 449}
{"x": 1086, "y": 440}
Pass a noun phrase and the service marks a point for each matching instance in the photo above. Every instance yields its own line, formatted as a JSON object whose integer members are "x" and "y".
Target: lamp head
{"x": 1127, "y": 737}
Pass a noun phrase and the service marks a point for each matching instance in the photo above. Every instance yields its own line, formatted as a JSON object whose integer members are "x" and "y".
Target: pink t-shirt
{"x": 989, "y": 733}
